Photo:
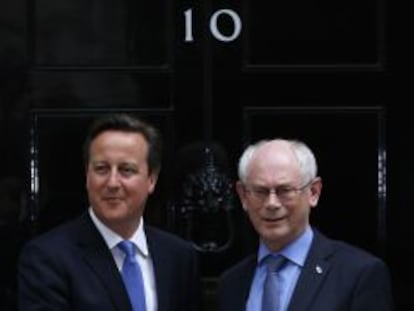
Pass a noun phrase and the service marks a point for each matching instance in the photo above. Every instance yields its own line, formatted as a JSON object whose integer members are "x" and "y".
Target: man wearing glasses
{"x": 296, "y": 267}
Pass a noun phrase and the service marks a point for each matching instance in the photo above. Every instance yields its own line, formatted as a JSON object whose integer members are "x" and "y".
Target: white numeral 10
{"x": 188, "y": 14}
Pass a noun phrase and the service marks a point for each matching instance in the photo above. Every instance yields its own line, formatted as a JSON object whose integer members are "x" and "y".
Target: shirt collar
{"x": 112, "y": 238}
{"x": 296, "y": 251}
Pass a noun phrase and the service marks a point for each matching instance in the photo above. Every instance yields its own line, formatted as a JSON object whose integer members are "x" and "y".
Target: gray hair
{"x": 303, "y": 153}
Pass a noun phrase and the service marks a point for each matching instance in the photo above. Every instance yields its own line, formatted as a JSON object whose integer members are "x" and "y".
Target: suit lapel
{"x": 244, "y": 282}
{"x": 99, "y": 258}
{"x": 161, "y": 269}
{"x": 315, "y": 270}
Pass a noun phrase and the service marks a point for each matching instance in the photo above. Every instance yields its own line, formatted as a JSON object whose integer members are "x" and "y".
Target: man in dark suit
{"x": 78, "y": 265}
{"x": 278, "y": 186}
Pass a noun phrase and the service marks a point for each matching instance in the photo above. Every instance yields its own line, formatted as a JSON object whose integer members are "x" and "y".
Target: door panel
{"x": 317, "y": 34}
{"x": 102, "y": 33}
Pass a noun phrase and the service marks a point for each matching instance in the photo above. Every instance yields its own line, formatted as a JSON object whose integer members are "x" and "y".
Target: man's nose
{"x": 113, "y": 178}
{"x": 272, "y": 199}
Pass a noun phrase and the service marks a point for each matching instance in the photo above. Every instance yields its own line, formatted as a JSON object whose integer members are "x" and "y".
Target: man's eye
{"x": 100, "y": 169}
{"x": 127, "y": 171}
{"x": 261, "y": 191}
{"x": 284, "y": 190}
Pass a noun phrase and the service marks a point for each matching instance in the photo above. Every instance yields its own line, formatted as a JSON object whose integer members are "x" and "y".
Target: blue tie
{"x": 271, "y": 289}
{"x": 132, "y": 276}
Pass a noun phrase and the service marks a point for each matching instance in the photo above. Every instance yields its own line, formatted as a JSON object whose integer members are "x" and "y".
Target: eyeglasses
{"x": 283, "y": 193}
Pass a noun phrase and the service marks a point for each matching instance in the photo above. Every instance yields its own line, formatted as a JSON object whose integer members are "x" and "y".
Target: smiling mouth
{"x": 112, "y": 199}
{"x": 273, "y": 219}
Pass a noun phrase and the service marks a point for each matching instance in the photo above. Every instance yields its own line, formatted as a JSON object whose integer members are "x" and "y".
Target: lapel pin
{"x": 318, "y": 269}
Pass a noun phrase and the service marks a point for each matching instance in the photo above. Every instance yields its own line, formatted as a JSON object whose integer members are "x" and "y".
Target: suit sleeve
{"x": 41, "y": 284}
{"x": 373, "y": 290}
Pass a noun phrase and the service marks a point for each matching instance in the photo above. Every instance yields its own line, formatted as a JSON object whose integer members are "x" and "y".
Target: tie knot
{"x": 127, "y": 247}
{"x": 275, "y": 263}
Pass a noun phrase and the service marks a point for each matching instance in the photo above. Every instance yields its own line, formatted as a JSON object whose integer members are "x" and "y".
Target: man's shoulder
{"x": 166, "y": 238}
{"x": 345, "y": 252}
{"x": 54, "y": 245}
{"x": 242, "y": 268}
{"x": 60, "y": 234}
{"x": 358, "y": 254}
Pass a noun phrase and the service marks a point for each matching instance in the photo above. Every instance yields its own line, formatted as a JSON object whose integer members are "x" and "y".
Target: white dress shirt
{"x": 142, "y": 255}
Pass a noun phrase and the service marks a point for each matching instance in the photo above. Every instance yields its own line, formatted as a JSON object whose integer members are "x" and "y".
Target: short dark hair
{"x": 129, "y": 124}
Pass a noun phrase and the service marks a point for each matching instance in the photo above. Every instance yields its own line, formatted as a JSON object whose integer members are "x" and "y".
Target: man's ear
{"x": 153, "y": 178}
{"x": 315, "y": 191}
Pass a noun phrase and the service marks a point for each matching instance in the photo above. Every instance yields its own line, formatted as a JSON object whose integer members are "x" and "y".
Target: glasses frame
{"x": 284, "y": 193}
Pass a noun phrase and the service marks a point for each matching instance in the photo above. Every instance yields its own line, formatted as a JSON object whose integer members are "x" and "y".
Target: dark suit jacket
{"x": 71, "y": 268}
{"x": 347, "y": 278}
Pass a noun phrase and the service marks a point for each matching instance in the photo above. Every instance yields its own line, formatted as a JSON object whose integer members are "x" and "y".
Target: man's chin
{"x": 274, "y": 232}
